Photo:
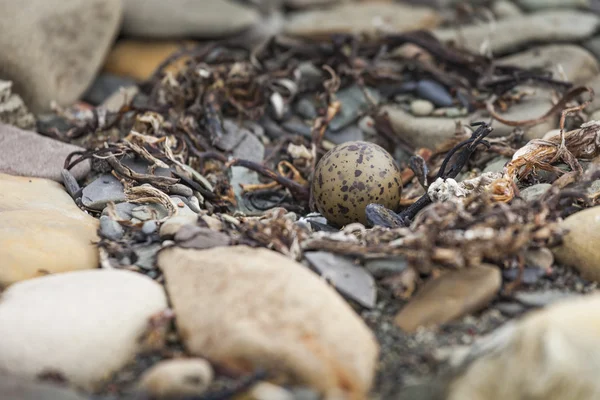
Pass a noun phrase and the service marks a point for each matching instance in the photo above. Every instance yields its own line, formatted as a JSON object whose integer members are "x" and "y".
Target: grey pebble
{"x": 149, "y": 227}
{"x": 181, "y": 189}
{"x": 353, "y": 103}
{"x": 542, "y": 298}
{"x": 384, "y": 267}
{"x": 70, "y": 182}
{"x": 534, "y": 192}
{"x": 110, "y": 228}
{"x": 103, "y": 190}
{"x": 434, "y": 92}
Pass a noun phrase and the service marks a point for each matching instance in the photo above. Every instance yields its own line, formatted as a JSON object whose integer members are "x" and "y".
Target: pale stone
{"x": 177, "y": 378}
{"x": 42, "y": 230}
{"x": 362, "y": 17}
{"x": 52, "y": 50}
{"x": 247, "y": 308}
{"x": 186, "y": 18}
{"x": 580, "y": 248}
{"x": 450, "y": 296}
{"x": 83, "y": 325}
{"x": 552, "y": 354}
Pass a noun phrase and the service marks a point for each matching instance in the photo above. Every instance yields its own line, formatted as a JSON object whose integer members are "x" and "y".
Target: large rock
{"x": 16, "y": 146}
{"x": 42, "y": 230}
{"x": 52, "y": 50}
{"x": 362, "y": 17}
{"x": 246, "y": 308}
{"x": 510, "y": 33}
{"x": 82, "y": 325}
{"x": 552, "y": 354}
{"x": 580, "y": 248}
{"x": 186, "y": 18}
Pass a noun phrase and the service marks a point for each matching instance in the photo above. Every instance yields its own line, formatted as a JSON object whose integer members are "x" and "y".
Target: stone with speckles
{"x": 351, "y": 176}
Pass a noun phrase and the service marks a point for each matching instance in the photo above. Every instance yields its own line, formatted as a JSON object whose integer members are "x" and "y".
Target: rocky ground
{"x": 173, "y": 226}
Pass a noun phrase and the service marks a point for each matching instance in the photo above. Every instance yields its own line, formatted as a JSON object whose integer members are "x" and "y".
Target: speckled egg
{"x": 351, "y": 176}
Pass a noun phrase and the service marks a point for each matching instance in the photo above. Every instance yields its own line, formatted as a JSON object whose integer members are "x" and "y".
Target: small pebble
{"x": 269, "y": 391}
{"x": 181, "y": 189}
{"x": 534, "y": 192}
{"x": 110, "y": 228}
{"x": 70, "y": 182}
{"x": 149, "y": 227}
{"x": 176, "y": 379}
{"x": 434, "y": 92}
{"x": 421, "y": 108}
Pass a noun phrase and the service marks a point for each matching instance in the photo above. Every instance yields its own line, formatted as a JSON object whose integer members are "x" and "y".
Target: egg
{"x": 351, "y": 176}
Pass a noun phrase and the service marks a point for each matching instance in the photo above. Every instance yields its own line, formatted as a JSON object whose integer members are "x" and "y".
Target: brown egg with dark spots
{"x": 351, "y": 176}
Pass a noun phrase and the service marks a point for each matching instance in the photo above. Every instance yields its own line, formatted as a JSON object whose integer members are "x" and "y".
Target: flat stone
{"x": 196, "y": 237}
{"x": 50, "y": 155}
{"x": 138, "y": 59}
{"x": 534, "y": 5}
{"x": 384, "y": 267}
{"x": 23, "y": 389}
{"x": 353, "y": 281}
{"x": 361, "y": 17}
{"x": 42, "y": 230}
{"x": 542, "y": 298}
{"x": 580, "y": 248}
{"x": 103, "y": 190}
{"x": 63, "y": 49}
{"x": 246, "y": 308}
{"x": 550, "y": 354}
{"x": 177, "y": 378}
{"x": 506, "y": 9}
{"x": 87, "y": 324}
{"x": 577, "y": 63}
{"x": 510, "y": 33}
{"x": 534, "y": 192}
{"x": 450, "y": 296}
{"x": 186, "y": 18}
{"x": 241, "y": 142}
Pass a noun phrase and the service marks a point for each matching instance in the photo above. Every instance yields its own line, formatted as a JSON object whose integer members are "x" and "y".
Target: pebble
{"x": 541, "y": 298}
{"x": 577, "y": 63}
{"x": 306, "y": 109}
{"x": 123, "y": 210}
{"x": 533, "y": 193}
{"x": 216, "y": 294}
{"x": 184, "y": 18}
{"x": 103, "y": 190}
{"x": 42, "y": 230}
{"x": 361, "y": 17}
{"x": 12, "y": 388}
{"x": 196, "y": 237}
{"x": 529, "y": 276}
{"x": 550, "y": 354}
{"x": 384, "y": 267}
{"x": 434, "y": 92}
{"x": 421, "y": 108}
{"x": 83, "y": 325}
{"x": 67, "y": 38}
{"x": 146, "y": 255}
{"x": 450, "y": 296}
{"x": 131, "y": 59}
{"x": 510, "y": 33}
{"x": 580, "y": 248}
{"x": 124, "y": 96}
{"x": 496, "y": 164}
{"x": 353, "y": 104}
{"x": 110, "y": 229}
{"x": 353, "y": 281}
{"x": 50, "y": 155}
{"x": 269, "y": 391}
{"x": 534, "y": 5}
{"x": 367, "y": 125}
{"x": 177, "y": 378}
{"x": 149, "y": 227}
{"x": 539, "y": 258}
{"x": 506, "y": 9}
{"x": 169, "y": 228}
{"x": 241, "y": 142}
{"x": 350, "y": 133}
{"x": 13, "y": 110}
{"x": 104, "y": 86}
{"x": 181, "y": 190}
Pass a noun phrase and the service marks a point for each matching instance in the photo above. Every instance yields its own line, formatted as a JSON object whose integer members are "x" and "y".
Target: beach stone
{"x": 269, "y": 391}
{"x": 13, "y": 110}
{"x": 217, "y": 293}
{"x": 580, "y": 248}
{"x": 177, "y": 378}
{"x": 534, "y": 5}
{"x": 186, "y": 18}
{"x": 421, "y": 108}
{"x": 104, "y": 189}
{"x": 24, "y": 389}
{"x": 450, "y": 296}
{"x": 361, "y": 17}
{"x": 578, "y": 64}
{"x": 104, "y": 86}
{"x": 87, "y": 324}
{"x": 539, "y": 258}
{"x": 110, "y": 228}
{"x": 50, "y": 155}
{"x": 542, "y": 298}
{"x": 353, "y": 103}
{"x": 534, "y": 192}
{"x": 506, "y": 9}
{"x": 125, "y": 95}
{"x": 138, "y": 59}
{"x": 550, "y": 354}
{"x": 510, "y": 33}
{"x": 496, "y": 164}
{"x": 434, "y": 92}
{"x": 63, "y": 49}
{"x": 42, "y": 231}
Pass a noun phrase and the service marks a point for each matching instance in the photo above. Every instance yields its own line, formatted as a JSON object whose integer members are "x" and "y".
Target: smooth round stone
{"x": 177, "y": 378}
{"x": 82, "y": 325}
{"x": 110, "y": 228}
{"x": 149, "y": 227}
{"x": 421, "y": 108}
{"x": 42, "y": 230}
{"x": 52, "y": 50}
